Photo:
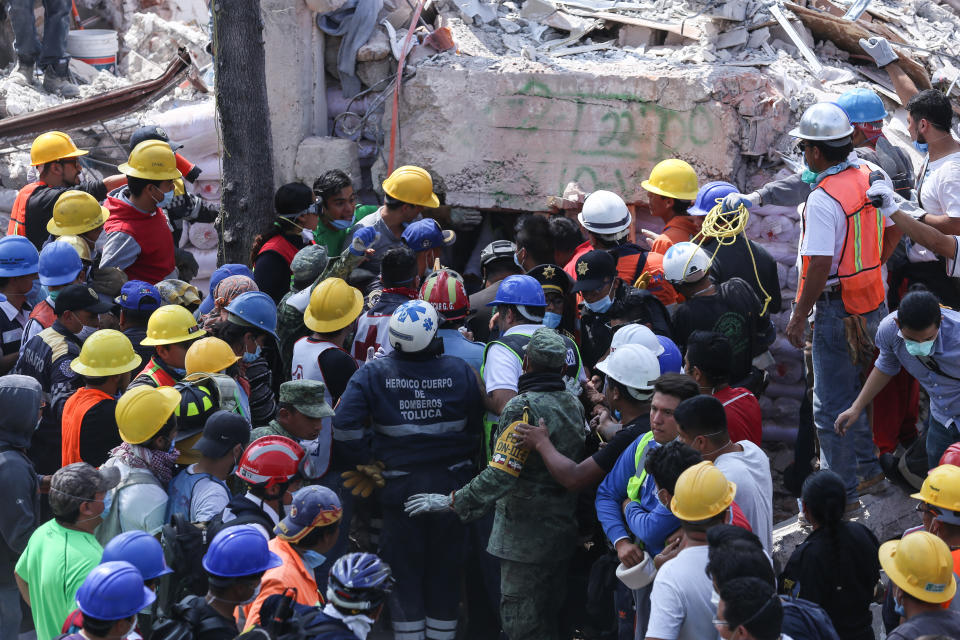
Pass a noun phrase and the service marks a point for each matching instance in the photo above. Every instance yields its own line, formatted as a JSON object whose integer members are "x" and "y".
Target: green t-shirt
{"x": 333, "y": 239}
{"x": 54, "y": 565}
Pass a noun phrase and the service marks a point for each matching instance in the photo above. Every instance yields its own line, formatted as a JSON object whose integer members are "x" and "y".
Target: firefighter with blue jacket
{"x": 417, "y": 412}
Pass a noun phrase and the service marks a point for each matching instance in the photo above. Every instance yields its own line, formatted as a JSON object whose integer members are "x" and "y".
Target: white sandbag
{"x": 787, "y": 406}
{"x": 787, "y": 371}
{"x": 207, "y": 260}
{"x": 766, "y": 407}
{"x": 209, "y": 190}
{"x": 785, "y": 252}
{"x": 779, "y": 390}
{"x": 203, "y": 235}
{"x": 793, "y": 279}
{"x": 778, "y": 228}
{"x": 193, "y": 126}
{"x": 775, "y": 210}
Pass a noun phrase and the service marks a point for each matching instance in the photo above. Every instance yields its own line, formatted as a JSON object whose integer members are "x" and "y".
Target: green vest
{"x": 636, "y": 480}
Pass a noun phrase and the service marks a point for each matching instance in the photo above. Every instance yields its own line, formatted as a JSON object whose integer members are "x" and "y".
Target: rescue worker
{"x": 730, "y": 308}
{"x": 601, "y": 287}
{"x": 920, "y": 571}
{"x": 138, "y": 238}
{"x": 79, "y": 214}
{"x": 200, "y": 492}
{"x": 940, "y": 508}
{"x": 291, "y": 230}
{"x": 497, "y": 261}
{"x": 145, "y": 459}
{"x": 47, "y": 358}
{"x": 444, "y": 290}
{"x": 398, "y": 276}
{"x": 252, "y": 322}
{"x": 358, "y": 588}
{"x": 60, "y": 266}
{"x": 141, "y": 550}
{"x": 302, "y": 538}
{"x": 534, "y": 242}
{"x": 219, "y": 275}
{"x": 137, "y": 301}
{"x": 110, "y": 598}
{"x": 306, "y": 268}
{"x": 19, "y": 263}
{"x": 171, "y": 330}
{"x": 671, "y": 189}
{"x": 426, "y": 239}
{"x": 407, "y": 192}
{"x": 535, "y": 530}
{"x": 89, "y": 426}
{"x": 338, "y": 210}
{"x": 57, "y": 160}
{"x": 423, "y": 408}
{"x": 560, "y": 312}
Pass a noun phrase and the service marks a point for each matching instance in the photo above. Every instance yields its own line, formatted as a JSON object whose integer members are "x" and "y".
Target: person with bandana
{"x": 226, "y": 290}
{"x": 302, "y": 538}
{"x": 47, "y": 357}
{"x": 145, "y": 459}
{"x": 291, "y": 230}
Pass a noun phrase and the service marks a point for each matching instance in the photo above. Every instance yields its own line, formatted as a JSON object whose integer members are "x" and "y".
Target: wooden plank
{"x": 683, "y": 29}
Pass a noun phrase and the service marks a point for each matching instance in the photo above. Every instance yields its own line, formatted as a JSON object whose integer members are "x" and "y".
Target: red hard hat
{"x": 951, "y": 455}
{"x": 445, "y": 291}
{"x": 270, "y": 460}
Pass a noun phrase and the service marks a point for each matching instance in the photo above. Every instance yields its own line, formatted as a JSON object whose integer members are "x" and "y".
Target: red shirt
{"x": 744, "y": 418}
{"x": 737, "y": 518}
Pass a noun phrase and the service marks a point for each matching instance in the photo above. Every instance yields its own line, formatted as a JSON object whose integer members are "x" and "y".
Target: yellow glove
{"x": 365, "y": 479}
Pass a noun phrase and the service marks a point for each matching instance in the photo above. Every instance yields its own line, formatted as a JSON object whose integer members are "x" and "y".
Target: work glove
{"x": 187, "y": 266}
{"x": 362, "y": 240}
{"x": 421, "y": 503}
{"x": 180, "y": 207}
{"x": 880, "y": 192}
{"x": 465, "y": 218}
{"x": 732, "y": 201}
{"x": 365, "y": 479}
{"x": 880, "y": 50}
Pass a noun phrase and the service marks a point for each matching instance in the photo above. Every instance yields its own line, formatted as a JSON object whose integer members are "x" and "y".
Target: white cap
{"x": 639, "y": 575}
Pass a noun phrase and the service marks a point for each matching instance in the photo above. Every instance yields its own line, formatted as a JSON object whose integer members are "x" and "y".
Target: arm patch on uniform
{"x": 507, "y": 454}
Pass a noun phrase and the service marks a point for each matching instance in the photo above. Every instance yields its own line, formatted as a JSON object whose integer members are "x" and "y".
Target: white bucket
{"x": 96, "y": 47}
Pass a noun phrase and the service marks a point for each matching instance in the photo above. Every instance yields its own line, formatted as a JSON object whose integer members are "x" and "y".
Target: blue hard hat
{"x": 862, "y": 105}
{"x": 524, "y": 290}
{"x": 670, "y": 360}
{"x": 224, "y": 271}
{"x": 359, "y": 581}
{"x": 709, "y": 196}
{"x": 114, "y": 591}
{"x": 239, "y": 551}
{"x": 140, "y": 549}
{"x": 18, "y": 257}
{"x": 59, "y": 264}
{"x": 254, "y": 309}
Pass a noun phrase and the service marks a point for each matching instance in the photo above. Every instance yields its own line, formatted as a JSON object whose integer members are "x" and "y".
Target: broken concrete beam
{"x": 546, "y": 12}
{"x": 509, "y": 26}
{"x": 735, "y": 10}
{"x": 687, "y": 29}
{"x": 376, "y": 48}
{"x": 732, "y": 38}
{"x": 758, "y": 38}
{"x": 632, "y": 35}
{"x": 316, "y": 155}
{"x": 484, "y": 12}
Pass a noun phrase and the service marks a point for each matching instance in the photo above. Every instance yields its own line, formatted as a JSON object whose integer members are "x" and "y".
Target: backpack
{"x": 805, "y": 620}
{"x": 185, "y": 623}
{"x": 184, "y": 544}
{"x": 246, "y": 512}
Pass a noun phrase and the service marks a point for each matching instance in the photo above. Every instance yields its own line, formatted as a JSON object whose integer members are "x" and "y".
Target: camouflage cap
{"x": 77, "y": 483}
{"x": 307, "y": 397}
{"x": 547, "y": 349}
{"x": 308, "y": 264}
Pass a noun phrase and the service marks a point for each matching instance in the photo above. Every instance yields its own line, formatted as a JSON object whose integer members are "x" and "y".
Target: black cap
{"x": 152, "y": 132}
{"x": 80, "y": 297}
{"x": 552, "y": 278}
{"x": 594, "y": 269}
{"x": 224, "y": 430}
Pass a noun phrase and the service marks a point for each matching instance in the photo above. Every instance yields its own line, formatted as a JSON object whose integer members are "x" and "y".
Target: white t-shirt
{"x": 209, "y": 498}
{"x": 953, "y": 264}
{"x": 502, "y": 368}
{"x": 680, "y": 607}
{"x": 940, "y": 187}
{"x": 750, "y": 471}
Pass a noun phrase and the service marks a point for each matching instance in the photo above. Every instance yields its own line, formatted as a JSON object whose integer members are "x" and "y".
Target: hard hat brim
{"x": 56, "y": 230}
{"x": 132, "y": 172}
{"x": 329, "y": 326}
{"x": 72, "y": 154}
{"x": 887, "y": 552}
{"x": 100, "y": 372}
{"x": 796, "y": 133}
{"x": 154, "y": 342}
{"x": 685, "y": 195}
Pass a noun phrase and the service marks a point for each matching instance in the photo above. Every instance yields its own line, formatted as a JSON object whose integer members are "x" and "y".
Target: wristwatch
{"x": 922, "y": 216}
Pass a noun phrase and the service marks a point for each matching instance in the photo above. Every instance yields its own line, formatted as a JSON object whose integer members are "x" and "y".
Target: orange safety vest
{"x": 156, "y": 373}
{"x": 75, "y": 408}
{"x": 44, "y": 313}
{"x": 858, "y": 271}
{"x": 18, "y": 217}
{"x": 658, "y": 284}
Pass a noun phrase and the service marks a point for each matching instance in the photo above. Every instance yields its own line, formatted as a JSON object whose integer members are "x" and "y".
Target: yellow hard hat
{"x": 76, "y": 212}
{"x": 209, "y": 355}
{"x": 921, "y": 564}
{"x": 143, "y": 410}
{"x": 169, "y": 324}
{"x": 333, "y": 305}
{"x": 672, "y": 179}
{"x": 702, "y": 492}
{"x": 79, "y": 245}
{"x": 53, "y": 145}
{"x": 412, "y": 185}
{"x": 151, "y": 160}
{"x": 105, "y": 353}
{"x": 941, "y": 488}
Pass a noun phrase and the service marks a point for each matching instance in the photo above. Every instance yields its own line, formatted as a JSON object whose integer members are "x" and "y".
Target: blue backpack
{"x": 805, "y": 620}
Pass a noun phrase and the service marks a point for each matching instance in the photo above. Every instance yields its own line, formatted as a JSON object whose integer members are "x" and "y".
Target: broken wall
{"x": 510, "y": 140}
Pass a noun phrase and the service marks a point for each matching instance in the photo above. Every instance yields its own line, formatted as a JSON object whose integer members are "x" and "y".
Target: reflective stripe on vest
{"x": 18, "y": 217}
{"x": 74, "y": 410}
{"x": 858, "y": 270}
{"x": 636, "y": 480}
{"x": 156, "y": 373}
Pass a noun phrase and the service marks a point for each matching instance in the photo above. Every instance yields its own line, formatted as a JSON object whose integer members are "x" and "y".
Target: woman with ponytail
{"x": 837, "y": 566}
{"x": 291, "y": 230}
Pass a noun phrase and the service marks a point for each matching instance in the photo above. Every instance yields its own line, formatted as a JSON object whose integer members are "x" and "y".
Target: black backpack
{"x": 805, "y": 620}
{"x": 185, "y": 622}
{"x": 184, "y": 544}
{"x": 246, "y": 512}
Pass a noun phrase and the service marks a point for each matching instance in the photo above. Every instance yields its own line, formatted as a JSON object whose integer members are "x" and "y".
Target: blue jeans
{"x": 939, "y": 438}
{"x": 9, "y": 612}
{"x": 836, "y": 383}
{"x": 56, "y": 23}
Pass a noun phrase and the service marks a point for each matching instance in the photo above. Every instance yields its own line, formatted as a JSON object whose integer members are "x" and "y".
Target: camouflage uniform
{"x": 307, "y": 397}
{"x": 534, "y": 529}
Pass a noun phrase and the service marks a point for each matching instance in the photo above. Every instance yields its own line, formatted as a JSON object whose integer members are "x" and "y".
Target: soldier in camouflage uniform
{"x": 302, "y": 408}
{"x": 534, "y": 530}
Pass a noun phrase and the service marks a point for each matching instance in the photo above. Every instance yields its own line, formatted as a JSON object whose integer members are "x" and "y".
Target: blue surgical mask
{"x": 517, "y": 262}
{"x": 178, "y": 372}
{"x": 340, "y": 225}
{"x": 599, "y": 306}
{"x": 312, "y": 559}
{"x": 919, "y": 348}
{"x": 107, "y": 503}
{"x": 551, "y": 319}
{"x": 922, "y": 147}
{"x": 167, "y": 199}
{"x": 250, "y": 357}
{"x": 898, "y": 609}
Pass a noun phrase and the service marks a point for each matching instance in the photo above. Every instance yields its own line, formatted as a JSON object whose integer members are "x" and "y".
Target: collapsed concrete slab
{"x": 510, "y": 140}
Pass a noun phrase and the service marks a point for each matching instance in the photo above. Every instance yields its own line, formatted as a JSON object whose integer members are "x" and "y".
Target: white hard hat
{"x": 824, "y": 121}
{"x": 685, "y": 262}
{"x": 413, "y": 326}
{"x": 636, "y": 334}
{"x": 604, "y": 212}
{"x": 634, "y": 366}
